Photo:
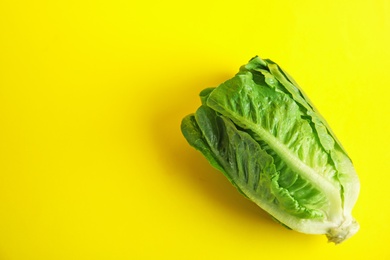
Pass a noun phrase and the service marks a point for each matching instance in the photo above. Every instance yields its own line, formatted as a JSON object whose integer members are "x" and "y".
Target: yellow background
{"x": 92, "y": 161}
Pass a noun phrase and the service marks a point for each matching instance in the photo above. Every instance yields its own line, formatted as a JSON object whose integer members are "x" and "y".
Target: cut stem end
{"x": 347, "y": 229}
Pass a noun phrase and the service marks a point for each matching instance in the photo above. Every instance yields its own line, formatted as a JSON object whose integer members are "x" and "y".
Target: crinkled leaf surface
{"x": 262, "y": 132}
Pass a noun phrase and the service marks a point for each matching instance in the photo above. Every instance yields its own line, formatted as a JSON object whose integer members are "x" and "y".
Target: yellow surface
{"x": 92, "y": 161}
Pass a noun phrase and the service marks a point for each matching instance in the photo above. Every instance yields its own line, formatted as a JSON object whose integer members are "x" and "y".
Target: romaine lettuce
{"x": 263, "y": 133}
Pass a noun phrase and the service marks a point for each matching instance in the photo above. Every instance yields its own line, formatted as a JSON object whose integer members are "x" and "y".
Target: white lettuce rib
{"x": 297, "y": 166}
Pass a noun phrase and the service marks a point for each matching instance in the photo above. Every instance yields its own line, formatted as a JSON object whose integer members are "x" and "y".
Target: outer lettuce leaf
{"x": 192, "y": 133}
{"x": 274, "y": 116}
{"x": 252, "y": 170}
